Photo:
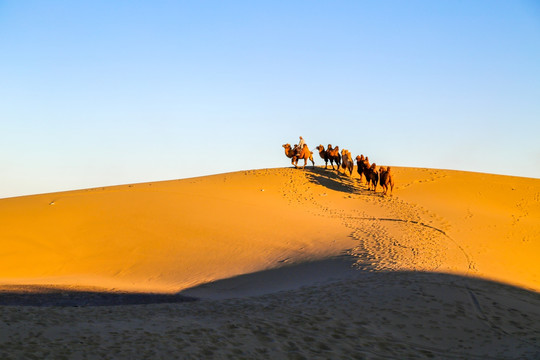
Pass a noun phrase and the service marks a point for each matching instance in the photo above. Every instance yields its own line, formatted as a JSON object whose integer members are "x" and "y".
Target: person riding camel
{"x": 300, "y": 146}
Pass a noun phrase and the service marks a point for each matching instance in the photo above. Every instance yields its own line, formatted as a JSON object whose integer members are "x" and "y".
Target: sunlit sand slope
{"x": 495, "y": 220}
{"x": 173, "y": 235}
{"x": 163, "y": 236}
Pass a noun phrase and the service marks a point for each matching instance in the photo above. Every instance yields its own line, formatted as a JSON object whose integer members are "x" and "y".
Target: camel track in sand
{"x": 386, "y": 228}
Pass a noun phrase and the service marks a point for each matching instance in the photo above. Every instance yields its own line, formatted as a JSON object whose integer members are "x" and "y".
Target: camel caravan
{"x": 344, "y": 160}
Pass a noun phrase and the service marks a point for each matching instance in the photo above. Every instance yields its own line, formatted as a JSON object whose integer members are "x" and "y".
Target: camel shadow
{"x": 337, "y": 181}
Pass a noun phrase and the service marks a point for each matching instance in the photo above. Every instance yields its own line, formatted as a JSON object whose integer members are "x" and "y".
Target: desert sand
{"x": 275, "y": 263}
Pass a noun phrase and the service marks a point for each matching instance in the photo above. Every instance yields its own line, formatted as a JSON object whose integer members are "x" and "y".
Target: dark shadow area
{"x": 336, "y": 181}
{"x": 327, "y": 309}
{"x": 337, "y": 269}
{"x": 53, "y": 296}
{"x": 428, "y": 313}
{"x": 286, "y": 277}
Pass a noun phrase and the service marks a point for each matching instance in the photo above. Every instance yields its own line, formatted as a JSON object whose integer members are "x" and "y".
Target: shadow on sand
{"x": 56, "y": 296}
{"x": 328, "y": 309}
{"x": 287, "y": 277}
{"x": 339, "y": 269}
{"x": 333, "y": 180}
{"x": 434, "y": 314}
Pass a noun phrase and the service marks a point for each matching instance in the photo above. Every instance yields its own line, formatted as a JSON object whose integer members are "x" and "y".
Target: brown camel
{"x": 333, "y": 155}
{"x": 304, "y": 154}
{"x": 385, "y": 180}
{"x": 372, "y": 177}
{"x": 347, "y": 161}
{"x": 366, "y": 165}
{"x": 360, "y": 166}
{"x": 323, "y": 154}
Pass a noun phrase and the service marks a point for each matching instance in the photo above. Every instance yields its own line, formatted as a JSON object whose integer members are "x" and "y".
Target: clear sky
{"x": 96, "y": 93}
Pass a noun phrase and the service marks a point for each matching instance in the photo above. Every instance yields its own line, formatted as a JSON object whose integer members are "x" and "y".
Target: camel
{"x": 333, "y": 155}
{"x": 385, "y": 180}
{"x": 366, "y": 165}
{"x": 346, "y": 161}
{"x": 324, "y": 155}
{"x": 360, "y": 165}
{"x": 372, "y": 177}
{"x": 363, "y": 168}
{"x": 304, "y": 154}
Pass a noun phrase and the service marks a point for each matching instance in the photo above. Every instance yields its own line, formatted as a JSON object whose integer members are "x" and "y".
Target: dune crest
{"x": 172, "y": 235}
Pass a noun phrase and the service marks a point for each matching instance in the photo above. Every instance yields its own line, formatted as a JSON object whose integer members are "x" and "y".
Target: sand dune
{"x": 164, "y": 236}
{"x": 167, "y": 236}
{"x": 280, "y": 243}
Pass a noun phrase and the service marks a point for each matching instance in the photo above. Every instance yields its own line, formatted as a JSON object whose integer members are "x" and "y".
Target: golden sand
{"x": 167, "y": 236}
{"x": 345, "y": 259}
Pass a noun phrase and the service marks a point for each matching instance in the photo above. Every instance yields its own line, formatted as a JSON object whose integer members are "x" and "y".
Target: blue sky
{"x": 100, "y": 93}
